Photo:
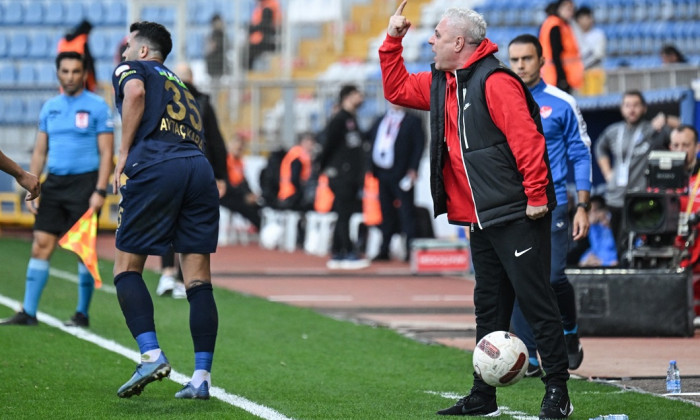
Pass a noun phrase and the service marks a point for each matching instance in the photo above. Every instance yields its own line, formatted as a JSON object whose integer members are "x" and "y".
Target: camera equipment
{"x": 666, "y": 170}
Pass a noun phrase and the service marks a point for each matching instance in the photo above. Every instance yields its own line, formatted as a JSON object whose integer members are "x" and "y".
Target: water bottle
{"x": 673, "y": 378}
{"x": 611, "y": 417}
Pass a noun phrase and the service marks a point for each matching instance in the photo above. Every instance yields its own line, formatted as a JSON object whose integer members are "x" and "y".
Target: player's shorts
{"x": 64, "y": 198}
{"x": 174, "y": 202}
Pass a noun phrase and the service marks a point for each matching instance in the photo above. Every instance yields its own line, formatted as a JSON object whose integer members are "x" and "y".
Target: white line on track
{"x": 220, "y": 393}
{"x": 442, "y": 298}
{"x": 518, "y": 415}
{"x": 310, "y": 298}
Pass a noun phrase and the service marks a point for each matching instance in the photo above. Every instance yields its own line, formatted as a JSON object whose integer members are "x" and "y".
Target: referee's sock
{"x": 86, "y": 286}
{"x": 137, "y": 307}
{"x": 37, "y": 275}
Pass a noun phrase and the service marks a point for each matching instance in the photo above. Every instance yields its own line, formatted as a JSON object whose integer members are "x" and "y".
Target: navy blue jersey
{"x": 171, "y": 125}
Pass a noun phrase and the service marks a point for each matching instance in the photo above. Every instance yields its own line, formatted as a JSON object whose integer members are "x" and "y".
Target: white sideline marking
{"x": 81, "y": 333}
{"x": 310, "y": 298}
{"x": 519, "y": 415}
{"x": 442, "y": 298}
{"x": 66, "y": 275}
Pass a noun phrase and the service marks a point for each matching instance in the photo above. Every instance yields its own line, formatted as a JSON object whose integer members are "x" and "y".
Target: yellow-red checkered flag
{"x": 81, "y": 239}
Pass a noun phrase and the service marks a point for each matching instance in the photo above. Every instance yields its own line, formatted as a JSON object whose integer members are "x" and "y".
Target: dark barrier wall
{"x": 634, "y": 303}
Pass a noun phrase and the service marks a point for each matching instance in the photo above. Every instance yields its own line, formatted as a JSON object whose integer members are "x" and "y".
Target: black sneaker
{"x": 20, "y": 318}
{"x": 533, "y": 371}
{"x": 474, "y": 404}
{"x": 556, "y": 403}
{"x": 78, "y": 320}
{"x": 574, "y": 350}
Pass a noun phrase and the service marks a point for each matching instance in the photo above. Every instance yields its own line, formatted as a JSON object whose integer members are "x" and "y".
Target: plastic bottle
{"x": 611, "y": 417}
{"x": 673, "y": 378}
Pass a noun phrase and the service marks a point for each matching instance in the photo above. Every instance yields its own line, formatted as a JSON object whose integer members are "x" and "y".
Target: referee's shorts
{"x": 64, "y": 199}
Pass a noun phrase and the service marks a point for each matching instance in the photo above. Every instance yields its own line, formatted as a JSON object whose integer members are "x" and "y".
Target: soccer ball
{"x": 500, "y": 359}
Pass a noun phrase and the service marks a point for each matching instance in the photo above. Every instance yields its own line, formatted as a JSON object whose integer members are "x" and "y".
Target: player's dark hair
{"x": 69, "y": 55}
{"x": 528, "y": 39}
{"x": 637, "y": 93}
{"x": 345, "y": 91}
{"x": 156, "y": 34}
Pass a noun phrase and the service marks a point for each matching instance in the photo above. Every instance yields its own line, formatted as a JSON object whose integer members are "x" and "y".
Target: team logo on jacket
{"x": 545, "y": 111}
{"x": 82, "y": 119}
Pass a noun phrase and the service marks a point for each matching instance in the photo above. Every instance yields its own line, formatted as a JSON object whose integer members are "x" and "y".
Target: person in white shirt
{"x": 592, "y": 42}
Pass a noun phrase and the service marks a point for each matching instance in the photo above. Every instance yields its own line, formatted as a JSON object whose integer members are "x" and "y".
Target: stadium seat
{"x": 8, "y": 73}
{"x": 3, "y": 44}
{"x": 26, "y": 74}
{"x": 101, "y": 44}
{"x": 32, "y": 109}
{"x": 46, "y": 74}
{"x": 14, "y": 110}
{"x": 13, "y": 13}
{"x": 74, "y": 13}
{"x": 54, "y": 13}
{"x": 115, "y": 13}
{"x": 19, "y": 45}
{"x": 41, "y": 45}
{"x": 95, "y": 13}
{"x": 33, "y": 13}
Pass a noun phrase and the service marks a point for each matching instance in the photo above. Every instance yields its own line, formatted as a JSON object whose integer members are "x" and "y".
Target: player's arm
{"x": 132, "y": 111}
{"x": 105, "y": 145}
{"x": 27, "y": 180}
{"x": 578, "y": 152}
{"x": 602, "y": 152}
{"x": 36, "y": 165}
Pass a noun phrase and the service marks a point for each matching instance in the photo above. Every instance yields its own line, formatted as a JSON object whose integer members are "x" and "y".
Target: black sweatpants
{"x": 513, "y": 259}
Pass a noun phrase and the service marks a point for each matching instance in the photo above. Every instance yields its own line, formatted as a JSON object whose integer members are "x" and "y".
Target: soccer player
{"x": 489, "y": 169}
{"x": 567, "y": 142}
{"x": 170, "y": 198}
{"x": 28, "y": 181}
{"x": 75, "y": 143}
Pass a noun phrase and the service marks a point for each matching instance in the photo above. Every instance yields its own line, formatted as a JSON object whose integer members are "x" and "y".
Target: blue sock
{"x": 147, "y": 341}
{"x": 572, "y": 331}
{"x": 37, "y": 275}
{"x": 86, "y": 285}
{"x": 534, "y": 361}
{"x": 203, "y": 360}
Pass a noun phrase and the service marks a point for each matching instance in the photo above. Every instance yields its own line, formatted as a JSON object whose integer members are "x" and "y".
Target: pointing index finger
{"x": 399, "y": 11}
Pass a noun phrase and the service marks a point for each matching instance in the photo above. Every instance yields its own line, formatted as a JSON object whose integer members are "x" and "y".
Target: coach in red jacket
{"x": 488, "y": 169}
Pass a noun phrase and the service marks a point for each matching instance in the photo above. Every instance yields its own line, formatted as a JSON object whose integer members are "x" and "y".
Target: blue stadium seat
{"x": 167, "y": 16}
{"x": 13, "y": 13}
{"x": 104, "y": 70}
{"x": 32, "y": 109}
{"x": 19, "y": 45}
{"x": 33, "y": 13}
{"x": 150, "y": 13}
{"x": 74, "y": 13}
{"x": 46, "y": 74}
{"x": 194, "y": 47}
{"x": 7, "y": 73}
{"x": 100, "y": 42}
{"x": 26, "y": 74}
{"x": 115, "y": 13}
{"x": 3, "y": 44}
{"x": 95, "y": 13}
{"x": 41, "y": 45}
{"x": 14, "y": 109}
{"x": 54, "y": 13}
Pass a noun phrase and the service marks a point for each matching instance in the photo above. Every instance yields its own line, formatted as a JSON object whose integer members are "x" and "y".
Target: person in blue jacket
{"x": 567, "y": 143}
